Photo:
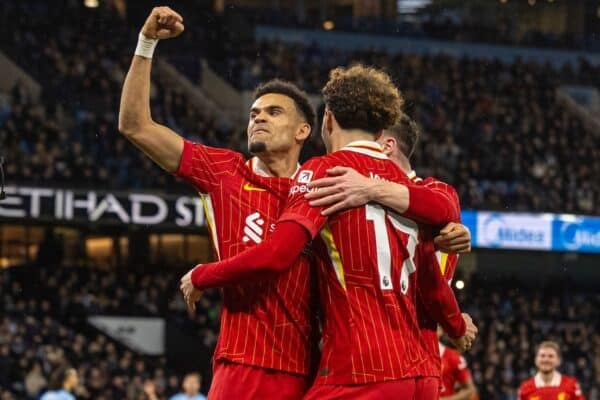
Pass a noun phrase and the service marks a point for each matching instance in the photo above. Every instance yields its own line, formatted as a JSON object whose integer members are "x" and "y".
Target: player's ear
{"x": 328, "y": 121}
{"x": 389, "y": 145}
{"x": 303, "y": 132}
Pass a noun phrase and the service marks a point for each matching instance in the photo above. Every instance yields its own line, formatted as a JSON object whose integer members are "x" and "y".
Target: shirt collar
{"x": 367, "y": 147}
{"x": 253, "y": 165}
{"x": 539, "y": 382}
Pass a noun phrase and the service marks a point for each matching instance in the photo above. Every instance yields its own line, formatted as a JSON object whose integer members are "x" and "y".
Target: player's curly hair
{"x": 407, "y": 131}
{"x": 362, "y": 98}
{"x": 278, "y": 86}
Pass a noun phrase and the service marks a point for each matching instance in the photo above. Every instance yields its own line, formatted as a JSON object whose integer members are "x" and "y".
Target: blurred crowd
{"x": 43, "y": 325}
{"x": 70, "y": 135}
{"x": 493, "y": 130}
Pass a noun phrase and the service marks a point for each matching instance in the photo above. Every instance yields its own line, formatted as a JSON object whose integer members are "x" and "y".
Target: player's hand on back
{"x": 163, "y": 23}
{"x": 344, "y": 188}
{"x": 453, "y": 238}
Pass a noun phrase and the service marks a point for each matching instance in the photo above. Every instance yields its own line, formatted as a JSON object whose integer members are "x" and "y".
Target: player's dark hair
{"x": 300, "y": 98}
{"x": 407, "y": 132}
{"x": 550, "y": 344}
{"x": 362, "y": 98}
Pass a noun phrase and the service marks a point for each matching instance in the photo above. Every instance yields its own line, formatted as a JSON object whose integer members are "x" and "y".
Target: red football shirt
{"x": 265, "y": 324}
{"x": 561, "y": 387}
{"x": 454, "y": 370}
{"x": 366, "y": 265}
{"x": 429, "y": 256}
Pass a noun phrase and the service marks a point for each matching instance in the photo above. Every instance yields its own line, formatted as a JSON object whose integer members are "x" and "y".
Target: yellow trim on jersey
{"x": 209, "y": 213}
{"x": 443, "y": 262}
{"x": 334, "y": 254}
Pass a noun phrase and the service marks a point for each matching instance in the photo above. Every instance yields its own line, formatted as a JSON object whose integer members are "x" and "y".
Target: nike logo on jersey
{"x": 249, "y": 188}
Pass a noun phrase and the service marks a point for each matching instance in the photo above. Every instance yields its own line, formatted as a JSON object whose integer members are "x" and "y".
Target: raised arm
{"x": 160, "y": 143}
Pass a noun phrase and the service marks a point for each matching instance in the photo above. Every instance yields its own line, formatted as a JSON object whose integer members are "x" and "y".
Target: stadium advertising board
{"x": 101, "y": 207}
{"x": 550, "y": 232}
{"x": 144, "y": 335}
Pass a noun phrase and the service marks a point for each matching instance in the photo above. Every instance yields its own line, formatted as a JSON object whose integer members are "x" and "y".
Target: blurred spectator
{"x": 62, "y": 383}
{"x": 35, "y": 381}
{"x": 191, "y": 388}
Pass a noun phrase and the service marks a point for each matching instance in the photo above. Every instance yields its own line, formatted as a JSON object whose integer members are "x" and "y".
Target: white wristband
{"x": 145, "y": 46}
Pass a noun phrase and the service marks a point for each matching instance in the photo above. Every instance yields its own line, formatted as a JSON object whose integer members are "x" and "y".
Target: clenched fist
{"x": 163, "y": 23}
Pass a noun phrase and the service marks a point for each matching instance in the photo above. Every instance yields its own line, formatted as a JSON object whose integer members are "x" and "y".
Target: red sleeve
{"x": 436, "y": 295}
{"x": 262, "y": 261}
{"x": 577, "y": 390}
{"x": 205, "y": 167}
{"x": 297, "y": 208}
{"x": 462, "y": 371}
{"x": 430, "y": 206}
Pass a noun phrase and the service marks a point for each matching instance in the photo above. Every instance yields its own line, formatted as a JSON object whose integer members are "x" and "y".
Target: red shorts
{"x": 239, "y": 382}
{"x": 427, "y": 389}
{"x": 401, "y": 389}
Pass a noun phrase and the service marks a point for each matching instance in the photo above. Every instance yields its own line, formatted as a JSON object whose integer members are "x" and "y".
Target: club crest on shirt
{"x": 305, "y": 176}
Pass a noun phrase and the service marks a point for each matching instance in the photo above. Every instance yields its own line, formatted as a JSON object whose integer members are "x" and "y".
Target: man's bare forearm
{"x": 416, "y": 202}
{"x": 134, "y": 112}
{"x": 160, "y": 143}
{"x": 390, "y": 195}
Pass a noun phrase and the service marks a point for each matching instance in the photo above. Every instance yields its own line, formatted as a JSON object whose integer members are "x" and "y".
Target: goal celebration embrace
{"x": 299, "y": 200}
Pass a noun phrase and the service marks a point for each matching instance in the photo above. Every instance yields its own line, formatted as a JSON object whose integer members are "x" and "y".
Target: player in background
{"x": 456, "y": 380}
{"x": 346, "y": 188}
{"x": 548, "y": 383}
{"x": 265, "y": 336}
{"x": 365, "y": 272}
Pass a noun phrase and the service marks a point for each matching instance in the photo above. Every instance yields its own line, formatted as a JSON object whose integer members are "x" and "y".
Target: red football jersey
{"x": 446, "y": 263}
{"x": 561, "y": 387}
{"x": 366, "y": 265}
{"x": 454, "y": 370}
{"x": 265, "y": 324}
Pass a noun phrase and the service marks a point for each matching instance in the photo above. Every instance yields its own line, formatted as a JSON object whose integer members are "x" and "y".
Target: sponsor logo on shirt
{"x": 253, "y": 230}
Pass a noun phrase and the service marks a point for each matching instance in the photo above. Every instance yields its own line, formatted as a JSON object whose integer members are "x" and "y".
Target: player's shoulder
{"x": 449, "y": 352}
{"x": 569, "y": 382}
{"x": 453, "y": 355}
{"x": 434, "y": 182}
{"x": 527, "y": 386}
{"x": 320, "y": 163}
{"x": 199, "y": 148}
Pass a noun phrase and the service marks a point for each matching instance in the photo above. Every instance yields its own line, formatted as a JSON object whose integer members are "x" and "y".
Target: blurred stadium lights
{"x": 328, "y": 25}
{"x": 460, "y": 284}
{"x": 91, "y": 3}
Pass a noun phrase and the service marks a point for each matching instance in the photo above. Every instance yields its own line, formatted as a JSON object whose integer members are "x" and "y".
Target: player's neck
{"x": 278, "y": 165}
{"x": 342, "y": 138}
{"x": 402, "y": 162}
{"x": 547, "y": 376}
